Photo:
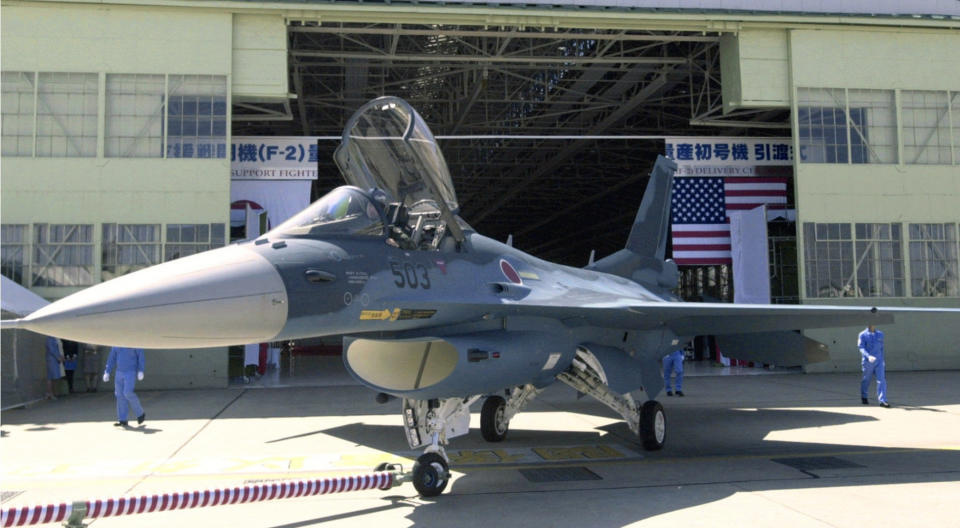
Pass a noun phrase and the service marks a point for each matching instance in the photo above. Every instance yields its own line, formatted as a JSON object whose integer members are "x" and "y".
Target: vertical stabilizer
{"x": 642, "y": 260}
{"x": 649, "y": 234}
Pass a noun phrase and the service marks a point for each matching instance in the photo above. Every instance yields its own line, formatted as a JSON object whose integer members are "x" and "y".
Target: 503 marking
{"x": 410, "y": 275}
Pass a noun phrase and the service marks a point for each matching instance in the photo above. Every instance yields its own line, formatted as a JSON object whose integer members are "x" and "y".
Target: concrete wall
{"x": 877, "y": 193}
{"x": 60, "y": 37}
{"x": 116, "y": 39}
{"x": 913, "y": 342}
{"x": 881, "y": 59}
{"x": 755, "y": 67}
{"x": 259, "y": 57}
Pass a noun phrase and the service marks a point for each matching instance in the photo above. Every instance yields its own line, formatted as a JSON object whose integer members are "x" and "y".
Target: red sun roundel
{"x": 510, "y": 273}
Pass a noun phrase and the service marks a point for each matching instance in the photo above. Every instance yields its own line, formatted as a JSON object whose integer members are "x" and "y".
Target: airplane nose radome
{"x": 221, "y": 297}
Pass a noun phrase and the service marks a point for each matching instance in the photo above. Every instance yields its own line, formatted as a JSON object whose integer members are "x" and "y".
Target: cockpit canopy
{"x": 387, "y": 145}
{"x": 343, "y": 211}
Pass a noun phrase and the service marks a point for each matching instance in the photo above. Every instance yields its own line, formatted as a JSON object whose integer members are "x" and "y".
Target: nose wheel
{"x": 430, "y": 474}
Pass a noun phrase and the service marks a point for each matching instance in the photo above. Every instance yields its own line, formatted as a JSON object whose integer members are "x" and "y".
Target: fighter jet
{"x": 434, "y": 313}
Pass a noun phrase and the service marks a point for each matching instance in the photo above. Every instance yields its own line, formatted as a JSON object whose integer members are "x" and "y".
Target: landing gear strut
{"x": 431, "y": 424}
{"x": 647, "y": 421}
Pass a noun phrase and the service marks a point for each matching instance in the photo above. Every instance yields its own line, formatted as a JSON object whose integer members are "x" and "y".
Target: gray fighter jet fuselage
{"x": 434, "y": 313}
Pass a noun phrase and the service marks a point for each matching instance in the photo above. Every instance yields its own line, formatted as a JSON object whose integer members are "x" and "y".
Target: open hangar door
{"x": 559, "y": 198}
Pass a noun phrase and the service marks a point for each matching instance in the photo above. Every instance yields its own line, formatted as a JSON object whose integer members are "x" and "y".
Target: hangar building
{"x": 118, "y": 119}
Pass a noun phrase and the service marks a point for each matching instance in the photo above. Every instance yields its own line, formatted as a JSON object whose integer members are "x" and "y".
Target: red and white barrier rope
{"x": 30, "y": 515}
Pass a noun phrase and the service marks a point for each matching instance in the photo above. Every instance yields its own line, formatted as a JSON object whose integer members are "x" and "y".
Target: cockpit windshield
{"x": 344, "y": 211}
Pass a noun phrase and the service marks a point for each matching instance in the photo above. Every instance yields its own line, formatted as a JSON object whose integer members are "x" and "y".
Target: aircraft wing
{"x": 762, "y": 333}
{"x": 688, "y": 319}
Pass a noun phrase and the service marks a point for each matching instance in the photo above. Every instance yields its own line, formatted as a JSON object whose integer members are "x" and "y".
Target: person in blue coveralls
{"x": 129, "y": 365}
{"x": 54, "y": 359}
{"x": 870, "y": 343}
{"x": 673, "y": 362}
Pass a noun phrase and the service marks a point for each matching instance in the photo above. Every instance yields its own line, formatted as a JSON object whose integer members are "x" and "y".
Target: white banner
{"x": 751, "y": 260}
{"x": 727, "y": 156}
{"x": 273, "y": 158}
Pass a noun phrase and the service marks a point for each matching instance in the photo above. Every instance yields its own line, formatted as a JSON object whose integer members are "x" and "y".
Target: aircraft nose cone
{"x": 221, "y": 297}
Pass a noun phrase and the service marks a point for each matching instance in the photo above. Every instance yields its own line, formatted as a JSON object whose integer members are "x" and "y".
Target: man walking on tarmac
{"x": 870, "y": 343}
{"x": 129, "y": 365}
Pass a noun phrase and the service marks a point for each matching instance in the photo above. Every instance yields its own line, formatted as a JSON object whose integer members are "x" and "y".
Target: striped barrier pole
{"x": 75, "y": 512}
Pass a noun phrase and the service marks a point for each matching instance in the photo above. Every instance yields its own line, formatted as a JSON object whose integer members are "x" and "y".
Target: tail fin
{"x": 643, "y": 258}
{"x": 649, "y": 234}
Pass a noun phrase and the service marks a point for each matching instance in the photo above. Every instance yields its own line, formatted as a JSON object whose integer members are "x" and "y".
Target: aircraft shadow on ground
{"x": 499, "y": 495}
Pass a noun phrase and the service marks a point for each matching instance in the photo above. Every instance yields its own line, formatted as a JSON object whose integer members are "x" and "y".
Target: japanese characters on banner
{"x": 727, "y": 156}
{"x": 273, "y": 158}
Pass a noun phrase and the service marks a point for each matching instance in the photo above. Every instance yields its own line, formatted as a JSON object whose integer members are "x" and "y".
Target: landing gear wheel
{"x": 653, "y": 425}
{"x": 430, "y": 475}
{"x": 493, "y": 419}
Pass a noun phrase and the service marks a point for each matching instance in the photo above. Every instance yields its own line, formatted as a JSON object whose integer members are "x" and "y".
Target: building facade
{"x": 117, "y": 125}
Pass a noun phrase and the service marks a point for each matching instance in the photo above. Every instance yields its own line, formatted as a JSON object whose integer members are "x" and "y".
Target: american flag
{"x": 699, "y": 213}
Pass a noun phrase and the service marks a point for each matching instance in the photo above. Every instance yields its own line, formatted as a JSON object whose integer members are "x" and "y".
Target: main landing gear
{"x": 498, "y": 411}
{"x": 647, "y": 421}
{"x": 431, "y": 424}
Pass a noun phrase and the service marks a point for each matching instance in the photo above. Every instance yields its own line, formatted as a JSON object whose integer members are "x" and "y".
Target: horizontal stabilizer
{"x": 783, "y": 349}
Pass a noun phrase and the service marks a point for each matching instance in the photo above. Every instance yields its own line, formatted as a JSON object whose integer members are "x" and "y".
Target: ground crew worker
{"x": 870, "y": 343}
{"x": 673, "y": 362}
{"x": 129, "y": 364}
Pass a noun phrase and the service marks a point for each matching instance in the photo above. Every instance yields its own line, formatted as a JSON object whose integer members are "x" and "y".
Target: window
{"x": 847, "y": 126}
{"x": 16, "y": 109}
{"x": 67, "y": 115}
{"x": 926, "y": 127}
{"x": 933, "y": 260}
{"x": 63, "y": 255}
{"x": 828, "y": 257}
{"x": 134, "y": 116}
{"x": 129, "y": 247}
{"x": 189, "y": 239}
{"x": 822, "y": 125}
{"x": 879, "y": 260}
{"x": 197, "y": 117}
{"x": 873, "y": 126}
{"x": 14, "y": 251}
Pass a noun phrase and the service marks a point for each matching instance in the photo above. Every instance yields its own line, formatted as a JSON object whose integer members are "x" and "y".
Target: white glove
{"x": 106, "y": 377}
{"x": 140, "y": 376}
{"x": 872, "y": 359}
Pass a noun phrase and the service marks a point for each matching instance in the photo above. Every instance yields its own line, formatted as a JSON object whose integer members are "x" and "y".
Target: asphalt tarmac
{"x": 778, "y": 450}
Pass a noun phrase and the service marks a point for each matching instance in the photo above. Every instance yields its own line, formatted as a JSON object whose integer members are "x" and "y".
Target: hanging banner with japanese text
{"x": 727, "y": 156}
{"x": 273, "y": 158}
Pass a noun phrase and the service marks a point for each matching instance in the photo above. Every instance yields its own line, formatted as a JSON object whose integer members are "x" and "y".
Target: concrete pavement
{"x": 778, "y": 450}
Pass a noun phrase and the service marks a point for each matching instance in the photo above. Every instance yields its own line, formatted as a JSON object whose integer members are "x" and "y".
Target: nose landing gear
{"x": 430, "y": 474}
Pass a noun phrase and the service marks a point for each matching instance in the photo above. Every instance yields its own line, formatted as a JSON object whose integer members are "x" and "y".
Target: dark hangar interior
{"x": 559, "y": 198}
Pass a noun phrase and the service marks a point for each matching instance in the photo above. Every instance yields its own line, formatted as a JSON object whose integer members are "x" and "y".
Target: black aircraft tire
{"x": 430, "y": 475}
{"x": 653, "y": 426}
{"x": 492, "y": 425}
